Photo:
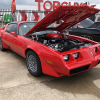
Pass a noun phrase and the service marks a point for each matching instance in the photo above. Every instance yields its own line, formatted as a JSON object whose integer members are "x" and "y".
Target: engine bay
{"x": 59, "y": 42}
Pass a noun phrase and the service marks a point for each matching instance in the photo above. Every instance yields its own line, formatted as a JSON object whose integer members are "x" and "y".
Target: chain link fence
{"x": 29, "y": 15}
{"x": 21, "y": 15}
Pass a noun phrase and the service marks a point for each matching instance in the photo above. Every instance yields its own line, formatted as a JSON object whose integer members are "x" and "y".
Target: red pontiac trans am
{"x": 48, "y": 49}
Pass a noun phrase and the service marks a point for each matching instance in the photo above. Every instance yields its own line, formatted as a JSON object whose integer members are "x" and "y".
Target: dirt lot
{"x": 17, "y": 84}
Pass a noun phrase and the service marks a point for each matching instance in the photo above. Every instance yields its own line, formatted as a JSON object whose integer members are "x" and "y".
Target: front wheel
{"x": 33, "y": 64}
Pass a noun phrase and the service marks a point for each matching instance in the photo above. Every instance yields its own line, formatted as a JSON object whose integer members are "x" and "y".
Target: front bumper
{"x": 56, "y": 66}
{"x": 79, "y": 69}
{"x": 88, "y": 59}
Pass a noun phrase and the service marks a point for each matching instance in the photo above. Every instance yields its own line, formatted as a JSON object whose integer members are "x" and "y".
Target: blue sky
{"x": 5, "y": 4}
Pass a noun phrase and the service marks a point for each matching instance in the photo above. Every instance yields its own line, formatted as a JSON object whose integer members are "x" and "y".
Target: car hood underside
{"x": 67, "y": 15}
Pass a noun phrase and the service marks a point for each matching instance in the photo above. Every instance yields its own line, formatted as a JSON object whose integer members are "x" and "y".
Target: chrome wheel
{"x": 32, "y": 63}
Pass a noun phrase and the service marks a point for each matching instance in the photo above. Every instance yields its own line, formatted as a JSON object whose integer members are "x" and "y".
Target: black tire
{"x": 1, "y": 47}
{"x": 33, "y": 64}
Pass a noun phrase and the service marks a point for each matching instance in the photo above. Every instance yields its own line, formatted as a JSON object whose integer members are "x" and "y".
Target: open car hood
{"x": 68, "y": 15}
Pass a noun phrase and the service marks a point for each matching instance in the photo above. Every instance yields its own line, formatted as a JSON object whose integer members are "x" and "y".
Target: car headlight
{"x": 95, "y": 49}
{"x": 76, "y": 55}
{"x": 66, "y": 57}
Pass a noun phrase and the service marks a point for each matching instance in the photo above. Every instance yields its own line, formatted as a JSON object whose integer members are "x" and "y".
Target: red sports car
{"x": 48, "y": 49}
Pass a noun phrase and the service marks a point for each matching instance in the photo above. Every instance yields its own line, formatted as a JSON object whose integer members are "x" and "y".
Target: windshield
{"x": 95, "y": 25}
{"x": 25, "y": 27}
{"x": 86, "y": 23}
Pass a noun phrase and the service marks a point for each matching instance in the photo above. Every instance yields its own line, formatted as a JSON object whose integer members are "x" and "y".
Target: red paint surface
{"x": 53, "y": 35}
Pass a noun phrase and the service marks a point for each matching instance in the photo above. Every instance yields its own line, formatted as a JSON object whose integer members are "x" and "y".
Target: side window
{"x": 12, "y": 28}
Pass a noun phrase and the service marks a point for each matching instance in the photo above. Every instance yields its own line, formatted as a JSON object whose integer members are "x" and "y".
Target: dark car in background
{"x": 90, "y": 31}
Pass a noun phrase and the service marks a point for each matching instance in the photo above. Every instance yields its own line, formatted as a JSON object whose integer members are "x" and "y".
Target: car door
{"x": 8, "y": 37}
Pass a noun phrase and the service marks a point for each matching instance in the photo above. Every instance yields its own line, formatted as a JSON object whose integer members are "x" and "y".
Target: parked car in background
{"x": 84, "y": 24}
{"x": 90, "y": 30}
